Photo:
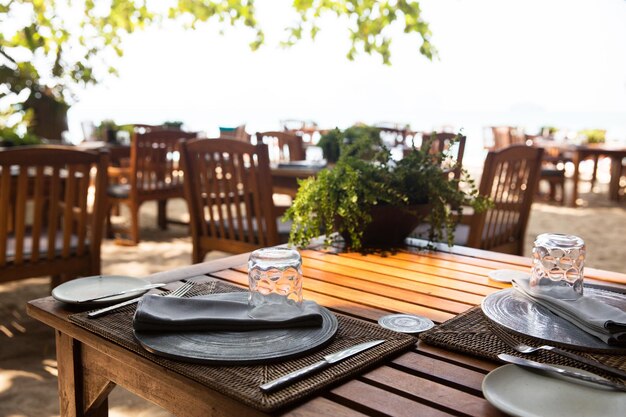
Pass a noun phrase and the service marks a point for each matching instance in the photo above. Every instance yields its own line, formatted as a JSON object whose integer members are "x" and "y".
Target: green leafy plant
{"x": 173, "y": 124}
{"x": 339, "y": 201}
{"x": 10, "y": 137}
{"x": 594, "y": 135}
{"x": 332, "y": 141}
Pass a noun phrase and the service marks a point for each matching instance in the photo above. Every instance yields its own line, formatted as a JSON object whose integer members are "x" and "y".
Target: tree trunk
{"x": 50, "y": 115}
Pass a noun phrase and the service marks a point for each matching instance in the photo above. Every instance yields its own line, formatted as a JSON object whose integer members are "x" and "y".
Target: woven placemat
{"x": 242, "y": 382}
{"x": 471, "y": 332}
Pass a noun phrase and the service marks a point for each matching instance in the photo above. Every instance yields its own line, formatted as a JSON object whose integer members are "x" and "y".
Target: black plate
{"x": 238, "y": 348}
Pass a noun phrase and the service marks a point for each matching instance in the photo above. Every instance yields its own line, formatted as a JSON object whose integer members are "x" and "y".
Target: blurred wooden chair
{"x": 289, "y": 145}
{"x": 505, "y": 136}
{"x": 509, "y": 178}
{"x": 228, "y": 186}
{"x": 308, "y": 130}
{"x": 393, "y": 134}
{"x": 154, "y": 174}
{"x": 51, "y": 220}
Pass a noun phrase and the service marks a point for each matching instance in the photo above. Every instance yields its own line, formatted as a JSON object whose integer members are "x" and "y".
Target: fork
{"x": 526, "y": 349}
{"x": 178, "y": 292}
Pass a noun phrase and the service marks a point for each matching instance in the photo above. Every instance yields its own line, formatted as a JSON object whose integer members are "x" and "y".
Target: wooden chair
{"x": 505, "y": 136}
{"x": 154, "y": 174}
{"x": 308, "y": 130}
{"x": 228, "y": 186}
{"x": 282, "y": 140}
{"x": 396, "y": 135}
{"x": 47, "y": 225}
{"x": 509, "y": 178}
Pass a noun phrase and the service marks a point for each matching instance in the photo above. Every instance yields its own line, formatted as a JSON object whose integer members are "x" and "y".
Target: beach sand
{"x": 28, "y": 385}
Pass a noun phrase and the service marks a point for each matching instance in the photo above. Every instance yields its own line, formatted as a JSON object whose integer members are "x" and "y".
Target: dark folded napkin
{"x": 605, "y": 322}
{"x": 215, "y": 312}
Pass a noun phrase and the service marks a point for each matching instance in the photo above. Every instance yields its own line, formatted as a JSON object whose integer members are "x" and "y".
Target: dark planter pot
{"x": 391, "y": 225}
{"x": 111, "y": 135}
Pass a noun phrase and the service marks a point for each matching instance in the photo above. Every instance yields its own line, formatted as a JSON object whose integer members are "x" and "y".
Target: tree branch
{"x": 4, "y": 54}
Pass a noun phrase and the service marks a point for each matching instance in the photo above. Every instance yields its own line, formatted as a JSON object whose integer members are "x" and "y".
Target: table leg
{"x": 576, "y": 160}
{"x": 81, "y": 393}
{"x": 616, "y": 172}
{"x": 596, "y": 158}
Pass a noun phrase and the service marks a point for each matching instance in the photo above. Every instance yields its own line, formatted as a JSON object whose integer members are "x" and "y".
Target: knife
{"x": 562, "y": 371}
{"x": 327, "y": 361}
{"x": 100, "y": 297}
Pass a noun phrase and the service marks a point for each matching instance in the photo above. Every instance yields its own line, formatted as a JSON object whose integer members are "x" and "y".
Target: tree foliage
{"x": 49, "y": 48}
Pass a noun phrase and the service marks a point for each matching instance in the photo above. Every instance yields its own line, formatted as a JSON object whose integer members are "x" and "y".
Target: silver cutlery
{"x": 327, "y": 361}
{"x": 524, "y": 348}
{"x": 562, "y": 371}
{"x": 178, "y": 292}
{"x": 142, "y": 288}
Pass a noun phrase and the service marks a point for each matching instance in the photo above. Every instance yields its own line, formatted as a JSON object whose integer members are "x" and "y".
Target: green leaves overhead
{"x": 73, "y": 41}
{"x": 54, "y": 47}
{"x": 369, "y": 23}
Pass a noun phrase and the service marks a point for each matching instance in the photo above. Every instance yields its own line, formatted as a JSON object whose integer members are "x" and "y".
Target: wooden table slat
{"x": 376, "y": 401}
{"x": 431, "y": 391}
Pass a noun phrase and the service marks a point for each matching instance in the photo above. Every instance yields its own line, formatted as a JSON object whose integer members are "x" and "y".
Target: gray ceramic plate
{"x": 512, "y": 310}
{"x": 521, "y": 392}
{"x": 237, "y": 348}
{"x": 77, "y": 289}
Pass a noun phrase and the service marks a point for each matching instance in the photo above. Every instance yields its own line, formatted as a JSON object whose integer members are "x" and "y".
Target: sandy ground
{"x": 28, "y": 385}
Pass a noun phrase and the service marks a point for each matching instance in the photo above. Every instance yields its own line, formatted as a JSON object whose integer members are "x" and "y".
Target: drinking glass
{"x": 558, "y": 263}
{"x": 275, "y": 282}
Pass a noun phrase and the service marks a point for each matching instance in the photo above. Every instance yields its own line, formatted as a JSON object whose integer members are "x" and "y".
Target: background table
{"x": 581, "y": 152}
{"x": 427, "y": 380}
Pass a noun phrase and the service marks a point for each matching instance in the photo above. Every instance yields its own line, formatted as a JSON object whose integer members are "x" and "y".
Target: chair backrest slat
{"x": 53, "y": 210}
{"x": 5, "y": 214}
{"x": 38, "y": 210}
{"x": 82, "y": 214}
{"x": 20, "y": 214}
{"x": 67, "y": 208}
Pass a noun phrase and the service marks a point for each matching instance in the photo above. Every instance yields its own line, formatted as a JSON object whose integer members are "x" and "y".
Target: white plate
{"x": 81, "y": 288}
{"x": 525, "y": 393}
{"x": 506, "y": 275}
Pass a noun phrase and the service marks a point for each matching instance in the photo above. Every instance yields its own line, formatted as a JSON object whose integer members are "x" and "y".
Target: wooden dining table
{"x": 425, "y": 380}
{"x": 579, "y": 153}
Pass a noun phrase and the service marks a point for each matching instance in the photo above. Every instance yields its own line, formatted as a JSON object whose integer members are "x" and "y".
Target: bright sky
{"x": 529, "y": 63}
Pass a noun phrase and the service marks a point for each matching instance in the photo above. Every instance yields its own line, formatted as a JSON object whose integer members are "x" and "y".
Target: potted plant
{"x": 332, "y": 141}
{"x": 373, "y": 201}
